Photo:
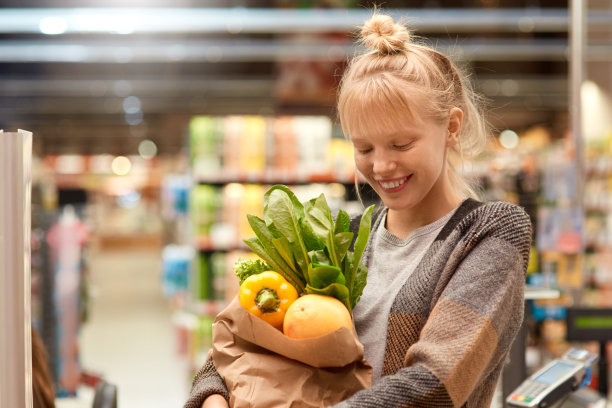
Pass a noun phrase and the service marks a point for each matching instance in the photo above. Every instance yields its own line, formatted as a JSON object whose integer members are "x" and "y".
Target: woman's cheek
{"x": 361, "y": 164}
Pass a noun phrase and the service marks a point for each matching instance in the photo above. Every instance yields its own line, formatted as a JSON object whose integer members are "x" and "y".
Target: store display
{"x": 258, "y": 149}
{"x": 176, "y": 268}
{"x": 42, "y": 283}
{"x": 598, "y": 221}
{"x": 66, "y": 240}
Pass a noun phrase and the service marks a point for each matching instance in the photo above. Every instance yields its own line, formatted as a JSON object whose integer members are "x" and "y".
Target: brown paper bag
{"x": 263, "y": 368}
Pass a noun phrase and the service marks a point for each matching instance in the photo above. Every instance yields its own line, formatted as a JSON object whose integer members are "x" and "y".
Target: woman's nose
{"x": 383, "y": 164}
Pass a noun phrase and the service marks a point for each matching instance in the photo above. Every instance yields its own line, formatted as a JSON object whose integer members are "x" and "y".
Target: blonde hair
{"x": 381, "y": 86}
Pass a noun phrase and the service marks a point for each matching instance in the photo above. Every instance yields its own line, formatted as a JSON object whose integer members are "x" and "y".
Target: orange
{"x": 314, "y": 316}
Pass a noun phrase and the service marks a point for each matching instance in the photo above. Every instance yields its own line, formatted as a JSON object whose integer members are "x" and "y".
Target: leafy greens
{"x": 304, "y": 243}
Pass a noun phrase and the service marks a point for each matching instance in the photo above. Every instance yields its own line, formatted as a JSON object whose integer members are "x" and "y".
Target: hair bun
{"x": 383, "y": 35}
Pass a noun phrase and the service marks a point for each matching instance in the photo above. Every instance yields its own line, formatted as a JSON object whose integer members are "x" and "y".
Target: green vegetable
{"x": 303, "y": 243}
{"x": 247, "y": 267}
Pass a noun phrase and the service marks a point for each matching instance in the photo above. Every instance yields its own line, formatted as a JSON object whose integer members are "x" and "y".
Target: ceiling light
{"x": 509, "y": 139}
{"x": 121, "y": 165}
{"x": 131, "y": 104}
{"x": 596, "y": 120}
{"x": 53, "y": 25}
{"x": 147, "y": 149}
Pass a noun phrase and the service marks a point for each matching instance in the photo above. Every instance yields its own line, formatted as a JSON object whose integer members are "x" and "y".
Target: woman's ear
{"x": 455, "y": 120}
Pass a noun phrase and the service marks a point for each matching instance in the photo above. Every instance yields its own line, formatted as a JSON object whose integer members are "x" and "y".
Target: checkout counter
{"x": 562, "y": 382}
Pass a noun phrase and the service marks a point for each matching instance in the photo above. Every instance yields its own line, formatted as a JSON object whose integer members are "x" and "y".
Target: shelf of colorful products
{"x": 59, "y": 289}
{"x": 542, "y": 178}
{"x": 260, "y": 149}
{"x": 598, "y": 222}
{"x": 574, "y": 246}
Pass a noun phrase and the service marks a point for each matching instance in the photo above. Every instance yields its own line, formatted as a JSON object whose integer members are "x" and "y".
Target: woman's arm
{"x": 207, "y": 385}
{"x": 469, "y": 331}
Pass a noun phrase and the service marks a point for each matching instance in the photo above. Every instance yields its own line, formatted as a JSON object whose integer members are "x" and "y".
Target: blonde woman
{"x": 444, "y": 296}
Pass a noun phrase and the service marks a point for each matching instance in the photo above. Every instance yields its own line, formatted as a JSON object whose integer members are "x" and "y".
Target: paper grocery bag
{"x": 263, "y": 368}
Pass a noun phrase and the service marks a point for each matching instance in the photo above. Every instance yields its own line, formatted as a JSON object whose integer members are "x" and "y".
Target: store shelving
{"x": 598, "y": 221}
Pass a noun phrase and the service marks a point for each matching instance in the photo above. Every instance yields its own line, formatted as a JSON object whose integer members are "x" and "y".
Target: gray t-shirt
{"x": 390, "y": 261}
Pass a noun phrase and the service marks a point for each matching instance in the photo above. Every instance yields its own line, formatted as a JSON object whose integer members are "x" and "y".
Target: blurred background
{"x": 159, "y": 124}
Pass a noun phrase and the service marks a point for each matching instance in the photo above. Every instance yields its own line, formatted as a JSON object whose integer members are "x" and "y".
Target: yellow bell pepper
{"x": 267, "y": 295}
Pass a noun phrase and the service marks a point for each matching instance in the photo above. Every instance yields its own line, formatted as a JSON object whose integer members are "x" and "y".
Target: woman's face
{"x": 406, "y": 164}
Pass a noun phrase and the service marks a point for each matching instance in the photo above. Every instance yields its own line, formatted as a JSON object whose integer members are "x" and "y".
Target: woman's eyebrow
{"x": 403, "y": 136}
{"x": 361, "y": 139}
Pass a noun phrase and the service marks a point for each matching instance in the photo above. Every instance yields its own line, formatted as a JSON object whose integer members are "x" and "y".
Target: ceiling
{"x": 103, "y": 79}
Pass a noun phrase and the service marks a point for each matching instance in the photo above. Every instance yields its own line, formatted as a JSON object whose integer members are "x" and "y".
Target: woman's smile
{"x": 394, "y": 185}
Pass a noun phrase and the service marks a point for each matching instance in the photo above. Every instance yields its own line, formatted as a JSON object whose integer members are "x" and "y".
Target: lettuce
{"x": 304, "y": 243}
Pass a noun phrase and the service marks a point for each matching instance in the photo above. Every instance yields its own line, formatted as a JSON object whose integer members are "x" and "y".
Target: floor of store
{"x": 129, "y": 337}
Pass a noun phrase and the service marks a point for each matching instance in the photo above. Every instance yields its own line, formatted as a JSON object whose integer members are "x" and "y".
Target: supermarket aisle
{"x": 129, "y": 338}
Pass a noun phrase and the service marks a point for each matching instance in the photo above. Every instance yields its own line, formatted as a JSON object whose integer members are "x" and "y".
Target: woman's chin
{"x": 397, "y": 205}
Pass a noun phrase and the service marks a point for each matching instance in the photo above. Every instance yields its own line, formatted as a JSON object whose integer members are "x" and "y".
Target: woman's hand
{"x": 215, "y": 401}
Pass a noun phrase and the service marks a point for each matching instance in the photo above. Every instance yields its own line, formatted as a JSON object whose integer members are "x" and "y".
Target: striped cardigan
{"x": 452, "y": 323}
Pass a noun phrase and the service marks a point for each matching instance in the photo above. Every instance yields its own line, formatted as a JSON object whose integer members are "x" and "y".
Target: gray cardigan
{"x": 454, "y": 320}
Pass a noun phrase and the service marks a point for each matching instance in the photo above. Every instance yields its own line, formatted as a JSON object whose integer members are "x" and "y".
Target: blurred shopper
{"x": 444, "y": 295}
{"x": 42, "y": 383}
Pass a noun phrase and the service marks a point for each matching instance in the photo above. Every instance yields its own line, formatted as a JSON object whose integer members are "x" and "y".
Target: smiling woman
{"x": 410, "y": 114}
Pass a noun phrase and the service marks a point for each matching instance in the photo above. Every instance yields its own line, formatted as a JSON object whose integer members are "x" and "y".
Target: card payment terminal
{"x": 554, "y": 381}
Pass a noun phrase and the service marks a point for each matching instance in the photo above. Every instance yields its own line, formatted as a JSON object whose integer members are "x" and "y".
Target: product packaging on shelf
{"x": 204, "y": 144}
{"x": 176, "y": 269}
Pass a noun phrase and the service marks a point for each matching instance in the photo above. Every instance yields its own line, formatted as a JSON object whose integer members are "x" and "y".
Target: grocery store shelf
{"x": 127, "y": 242}
{"x": 535, "y": 293}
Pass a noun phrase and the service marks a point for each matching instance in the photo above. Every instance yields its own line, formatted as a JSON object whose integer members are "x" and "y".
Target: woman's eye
{"x": 401, "y": 147}
{"x": 364, "y": 151}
